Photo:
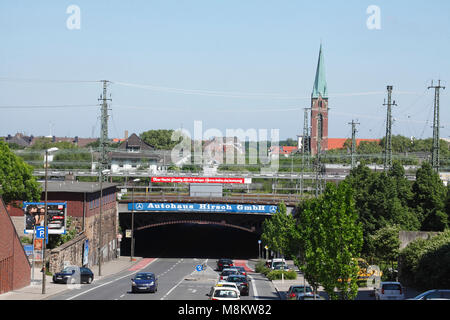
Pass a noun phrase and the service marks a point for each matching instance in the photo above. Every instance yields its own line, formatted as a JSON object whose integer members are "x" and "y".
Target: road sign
{"x": 199, "y": 267}
{"x": 40, "y": 233}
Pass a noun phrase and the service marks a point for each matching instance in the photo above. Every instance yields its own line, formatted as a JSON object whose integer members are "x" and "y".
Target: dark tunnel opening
{"x": 190, "y": 240}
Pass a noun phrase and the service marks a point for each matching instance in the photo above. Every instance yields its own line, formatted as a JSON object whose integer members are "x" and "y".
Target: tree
{"x": 429, "y": 199}
{"x": 160, "y": 139}
{"x": 331, "y": 238}
{"x": 386, "y": 244}
{"x": 279, "y": 232}
{"x": 16, "y": 178}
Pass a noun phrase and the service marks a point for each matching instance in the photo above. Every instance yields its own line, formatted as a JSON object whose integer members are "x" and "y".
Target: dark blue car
{"x": 144, "y": 281}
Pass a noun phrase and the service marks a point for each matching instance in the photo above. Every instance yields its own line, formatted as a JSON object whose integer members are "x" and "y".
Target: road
{"x": 177, "y": 280}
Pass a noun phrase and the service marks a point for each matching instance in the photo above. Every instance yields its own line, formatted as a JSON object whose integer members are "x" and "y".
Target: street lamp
{"x": 100, "y": 235}
{"x": 132, "y": 220}
{"x": 47, "y": 151}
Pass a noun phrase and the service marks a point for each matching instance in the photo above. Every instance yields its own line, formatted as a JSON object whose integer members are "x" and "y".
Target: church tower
{"x": 319, "y": 109}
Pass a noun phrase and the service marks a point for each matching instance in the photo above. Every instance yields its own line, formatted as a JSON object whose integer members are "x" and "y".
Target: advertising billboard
{"x": 203, "y": 207}
{"x": 200, "y": 180}
{"x": 34, "y": 213}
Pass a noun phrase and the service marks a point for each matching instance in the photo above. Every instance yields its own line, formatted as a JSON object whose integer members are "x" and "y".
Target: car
{"x": 226, "y": 272}
{"x": 309, "y": 296}
{"x": 226, "y": 284}
{"x": 240, "y": 269}
{"x": 223, "y": 293}
{"x": 389, "y": 291}
{"x": 224, "y": 263}
{"x": 144, "y": 281}
{"x": 74, "y": 274}
{"x": 294, "y": 290}
{"x": 242, "y": 283}
{"x": 436, "y": 294}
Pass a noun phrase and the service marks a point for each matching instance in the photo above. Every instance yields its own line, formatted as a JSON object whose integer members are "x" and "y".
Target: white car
{"x": 390, "y": 291}
{"x": 224, "y": 293}
{"x": 226, "y": 272}
{"x": 278, "y": 264}
{"x": 224, "y": 284}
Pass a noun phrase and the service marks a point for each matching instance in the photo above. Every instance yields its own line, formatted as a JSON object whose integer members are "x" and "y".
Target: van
{"x": 278, "y": 264}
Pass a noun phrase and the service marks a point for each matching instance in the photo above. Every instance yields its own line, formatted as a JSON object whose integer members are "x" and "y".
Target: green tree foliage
{"x": 386, "y": 246}
{"x": 279, "y": 232}
{"x": 429, "y": 199}
{"x": 382, "y": 200}
{"x": 16, "y": 178}
{"x": 160, "y": 139}
{"x": 330, "y": 237}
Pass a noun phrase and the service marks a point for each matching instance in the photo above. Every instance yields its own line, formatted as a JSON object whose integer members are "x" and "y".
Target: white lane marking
{"x": 174, "y": 287}
{"x": 104, "y": 284}
{"x": 255, "y": 292}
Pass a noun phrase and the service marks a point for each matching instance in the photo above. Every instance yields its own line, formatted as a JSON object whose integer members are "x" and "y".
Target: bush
{"x": 261, "y": 268}
{"x": 276, "y": 275}
{"x": 423, "y": 264}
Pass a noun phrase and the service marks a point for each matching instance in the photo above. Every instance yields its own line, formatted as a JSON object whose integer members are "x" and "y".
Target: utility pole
{"x": 305, "y": 146}
{"x": 388, "y": 142}
{"x": 435, "y": 156}
{"x": 353, "y": 123}
{"x": 104, "y": 127}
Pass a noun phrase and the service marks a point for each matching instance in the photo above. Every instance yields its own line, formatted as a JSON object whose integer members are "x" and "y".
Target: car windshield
{"x": 391, "y": 286}
{"x": 144, "y": 277}
{"x": 301, "y": 289}
{"x": 225, "y": 294}
{"x": 68, "y": 270}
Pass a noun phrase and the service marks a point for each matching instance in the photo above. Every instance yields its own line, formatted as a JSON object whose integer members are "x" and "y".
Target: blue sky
{"x": 230, "y": 64}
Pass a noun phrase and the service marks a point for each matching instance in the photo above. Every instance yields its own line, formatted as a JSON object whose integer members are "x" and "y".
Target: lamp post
{"x": 132, "y": 220}
{"x": 44, "y": 271}
{"x": 100, "y": 235}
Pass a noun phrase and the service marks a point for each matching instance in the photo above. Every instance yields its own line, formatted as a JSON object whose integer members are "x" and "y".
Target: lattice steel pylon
{"x": 435, "y": 155}
{"x": 388, "y": 138}
{"x": 353, "y": 151}
{"x": 104, "y": 127}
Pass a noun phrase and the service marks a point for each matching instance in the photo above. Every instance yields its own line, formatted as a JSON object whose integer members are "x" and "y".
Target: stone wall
{"x": 407, "y": 237}
{"x": 70, "y": 253}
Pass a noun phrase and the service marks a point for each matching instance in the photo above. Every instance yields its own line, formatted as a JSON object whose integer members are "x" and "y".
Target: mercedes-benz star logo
{"x": 139, "y": 206}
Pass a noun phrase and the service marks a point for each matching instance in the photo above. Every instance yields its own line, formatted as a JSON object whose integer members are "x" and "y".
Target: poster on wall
{"x": 34, "y": 213}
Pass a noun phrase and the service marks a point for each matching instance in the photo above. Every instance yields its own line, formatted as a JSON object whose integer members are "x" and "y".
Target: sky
{"x": 229, "y": 64}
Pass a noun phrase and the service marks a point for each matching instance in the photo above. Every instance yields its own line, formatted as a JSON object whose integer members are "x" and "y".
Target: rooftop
{"x": 76, "y": 186}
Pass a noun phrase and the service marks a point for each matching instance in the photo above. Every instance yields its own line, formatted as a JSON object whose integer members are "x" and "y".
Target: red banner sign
{"x": 200, "y": 180}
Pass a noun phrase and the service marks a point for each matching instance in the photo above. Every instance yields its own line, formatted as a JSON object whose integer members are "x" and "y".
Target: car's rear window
{"x": 391, "y": 286}
{"x": 225, "y": 294}
{"x": 445, "y": 294}
{"x": 301, "y": 289}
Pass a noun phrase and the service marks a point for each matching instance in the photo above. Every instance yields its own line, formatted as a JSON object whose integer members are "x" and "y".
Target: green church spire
{"x": 320, "y": 84}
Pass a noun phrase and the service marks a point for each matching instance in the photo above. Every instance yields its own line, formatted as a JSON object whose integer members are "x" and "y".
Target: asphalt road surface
{"x": 177, "y": 280}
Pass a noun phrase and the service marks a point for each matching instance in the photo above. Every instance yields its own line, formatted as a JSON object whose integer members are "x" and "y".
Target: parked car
{"x": 242, "y": 283}
{"x": 389, "y": 291}
{"x": 223, "y": 293}
{"x": 226, "y": 272}
{"x": 294, "y": 290}
{"x": 224, "y": 263}
{"x": 309, "y": 296}
{"x": 440, "y": 294}
{"x": 74, "y": 274}
{"x": 144, "y": 281}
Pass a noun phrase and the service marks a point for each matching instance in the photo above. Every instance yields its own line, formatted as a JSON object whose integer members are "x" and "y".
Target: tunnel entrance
{"x": 188, "y": 240}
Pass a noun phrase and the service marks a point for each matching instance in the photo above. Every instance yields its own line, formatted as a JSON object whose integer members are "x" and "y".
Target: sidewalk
{"x": 34, "y": 290}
